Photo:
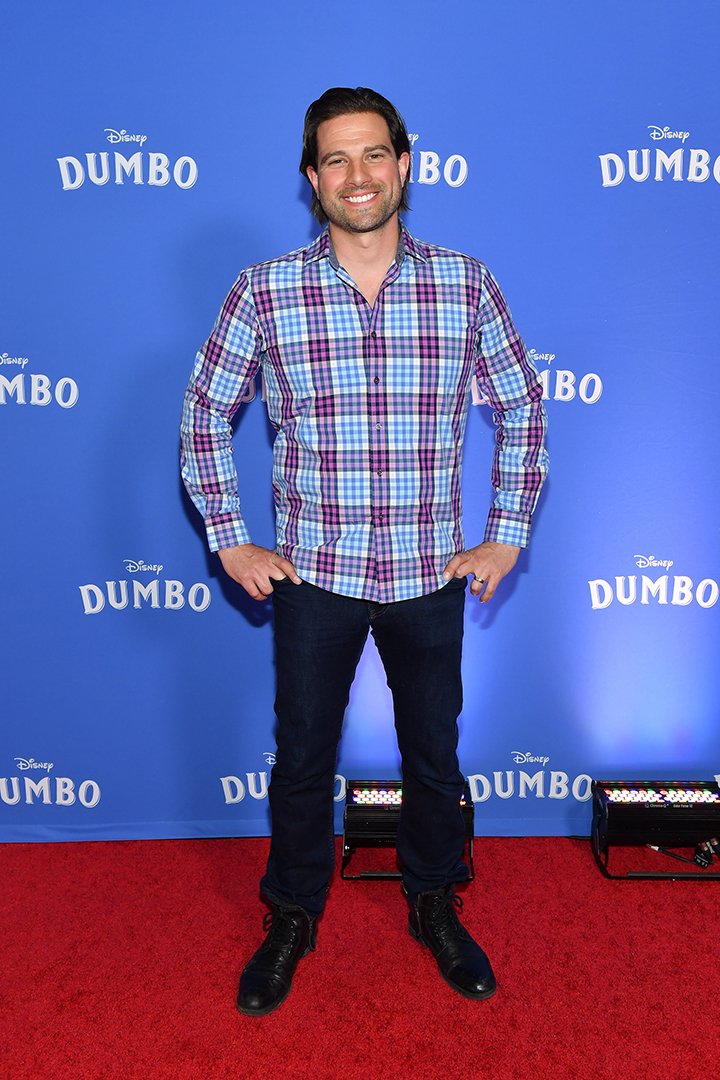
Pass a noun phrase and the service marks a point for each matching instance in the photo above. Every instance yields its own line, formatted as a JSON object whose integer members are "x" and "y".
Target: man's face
{"x": 358, "y": 179}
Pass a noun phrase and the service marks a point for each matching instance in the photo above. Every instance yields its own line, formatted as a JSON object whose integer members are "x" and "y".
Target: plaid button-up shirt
{"x": 369, "y": 407}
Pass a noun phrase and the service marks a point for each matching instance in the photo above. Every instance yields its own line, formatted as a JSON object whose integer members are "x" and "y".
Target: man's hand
{"x": 488, "y": 562}
{"x": 254, "y": 567}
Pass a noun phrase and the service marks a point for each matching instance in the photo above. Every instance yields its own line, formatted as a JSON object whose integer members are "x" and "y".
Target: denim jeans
{"x": 319, "y": 637}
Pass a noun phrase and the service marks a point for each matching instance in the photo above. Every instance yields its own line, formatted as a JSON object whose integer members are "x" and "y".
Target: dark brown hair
{"x": 339, "y": 101}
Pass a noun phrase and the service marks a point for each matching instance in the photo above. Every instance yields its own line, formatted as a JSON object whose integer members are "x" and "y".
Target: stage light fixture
{"x": 660, "y": 814}
{"x": 372, "y": 814}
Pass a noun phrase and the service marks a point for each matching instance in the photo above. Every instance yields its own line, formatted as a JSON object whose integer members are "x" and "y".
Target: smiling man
{"x": 367, "y": 340}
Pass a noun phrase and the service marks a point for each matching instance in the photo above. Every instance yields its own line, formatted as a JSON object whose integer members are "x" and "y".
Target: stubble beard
{"x": 342, "y": 218}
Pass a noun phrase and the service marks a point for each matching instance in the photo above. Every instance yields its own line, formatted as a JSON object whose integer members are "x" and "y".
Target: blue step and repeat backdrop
{"x": 150, "y": 152}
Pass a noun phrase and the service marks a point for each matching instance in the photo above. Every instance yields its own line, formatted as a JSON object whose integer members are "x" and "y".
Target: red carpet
{"x": 120, "y": 960}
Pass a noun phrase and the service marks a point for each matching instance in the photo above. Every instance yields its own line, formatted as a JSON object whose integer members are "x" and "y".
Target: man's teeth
{"x": 360, "y": 198}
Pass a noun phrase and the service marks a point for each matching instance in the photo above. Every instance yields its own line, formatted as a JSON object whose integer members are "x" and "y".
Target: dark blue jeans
{"x": 319, "y": 637}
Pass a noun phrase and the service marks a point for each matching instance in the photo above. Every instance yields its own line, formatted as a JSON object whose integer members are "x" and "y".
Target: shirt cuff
{"x": 508, "y": 527}
{"x": 226, "y": 530}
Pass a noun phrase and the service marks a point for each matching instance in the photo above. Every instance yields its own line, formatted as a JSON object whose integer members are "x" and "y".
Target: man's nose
{"x": 358, "y": 172}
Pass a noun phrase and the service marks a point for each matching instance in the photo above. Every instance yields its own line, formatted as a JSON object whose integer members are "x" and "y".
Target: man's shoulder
{"x": 289, "y": 264}
{"x": 444, "y": 258}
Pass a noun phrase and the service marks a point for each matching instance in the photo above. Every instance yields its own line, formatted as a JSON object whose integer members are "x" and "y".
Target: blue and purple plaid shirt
{"x": 369, "y": 407}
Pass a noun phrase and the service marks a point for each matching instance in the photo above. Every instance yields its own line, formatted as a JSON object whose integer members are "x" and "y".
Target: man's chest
{"x": 330, "y": 341}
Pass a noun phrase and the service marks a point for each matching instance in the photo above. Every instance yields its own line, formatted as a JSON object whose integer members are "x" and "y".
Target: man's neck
{"x": 369, "y": 253}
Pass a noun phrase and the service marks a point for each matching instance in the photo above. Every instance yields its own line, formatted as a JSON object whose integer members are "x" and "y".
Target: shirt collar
{"x": 322, "y": 248}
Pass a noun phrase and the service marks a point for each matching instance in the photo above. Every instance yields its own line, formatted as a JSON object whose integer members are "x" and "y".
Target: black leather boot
{"x": 462, "y": 963}
{"x": 266, "y": 981}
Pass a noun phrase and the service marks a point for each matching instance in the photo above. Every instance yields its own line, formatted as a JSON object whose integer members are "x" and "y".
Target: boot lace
{"x": 443, "y": 917}
{"x": 282, "y": 928}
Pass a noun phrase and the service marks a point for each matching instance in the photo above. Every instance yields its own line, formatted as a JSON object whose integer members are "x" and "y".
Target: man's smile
{"x": 360, "y": 198}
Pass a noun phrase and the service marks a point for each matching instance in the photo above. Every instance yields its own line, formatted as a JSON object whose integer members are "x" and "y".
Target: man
{"x": 367, "y": 340}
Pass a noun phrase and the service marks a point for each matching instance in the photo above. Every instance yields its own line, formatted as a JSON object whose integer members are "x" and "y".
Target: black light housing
{"x": 660, "y": 814}
{"x": 372, "y": 814}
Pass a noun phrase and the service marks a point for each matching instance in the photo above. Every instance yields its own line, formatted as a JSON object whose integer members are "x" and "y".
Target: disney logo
{"x": 548, "y": 357}
{"x": 114, "y": 136}
{"x": 666, "y": 133}
{"x": 269, "y": 758}
{"x": 412, "y": 139}
{"x": 7, "y": 359}
{"x": 135, "y": 566}
{"x": 643, "y": 561}
{"x": 522, "y": 759}
{"x": 30, "y": 763}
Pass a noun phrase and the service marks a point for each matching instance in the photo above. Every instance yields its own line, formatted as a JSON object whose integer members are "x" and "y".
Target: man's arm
{"x": 224, "y": 367}
{"x": 510, "y": 383}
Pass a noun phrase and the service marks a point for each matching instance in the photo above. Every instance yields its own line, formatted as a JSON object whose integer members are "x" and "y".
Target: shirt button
{"x": 379, "y": 472}
{"x": 378, "y": 427}
{"x": 376, "y": 380}
{"x": 373, "y": 334}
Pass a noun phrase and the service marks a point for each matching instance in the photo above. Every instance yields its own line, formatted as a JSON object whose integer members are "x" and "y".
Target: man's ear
{"x": 403, "y": 165}
{"x": 312, "y": 177}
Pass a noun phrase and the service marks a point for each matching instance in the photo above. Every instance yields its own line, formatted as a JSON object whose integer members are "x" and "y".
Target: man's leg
{"x": 420, "y": 642}
{"x": 319, "y": 638}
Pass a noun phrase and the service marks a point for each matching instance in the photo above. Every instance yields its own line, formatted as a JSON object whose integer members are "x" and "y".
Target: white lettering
{"x": 564, "y": 385}
{"x": 174, "y": 597}
{"x": 682, "y": 591}
{"x": 142, "y": 593}
{"x": 582, "y": 788}
{"x": 638, "y": 174}
{"x": 93, "y": 175}
{"x": 509, "y": 790}
{"x": 479, "y": 793}
{"x": 70, "y": 182}
{"x": 40, "y": 390}
{"x": 192, "y": 172}
{"x": 66, "y": 400}
{"x": 558, "y": 788}
{"x": 112, "y": 596}
{"x": 614, "y": 160}
{"x": 630, "y": 596}
{"x": 254, "y": 791}
{"x": 65, "y": 393}
{"x": 428, "y": 171}
{"x": 127, "y": 166}
{"x": 667, "y": 162}
{"x": 233, "y": 789}
{"x": 657, "y": 589}
{"x": 460, "y": 176}
{"x": 89, "y": 793}
{"x": 532, "y": 783}
{"x": 93, "y": 599}
{"x": 64, "y": 791}
{"x": 601, "y": 593}
{"x": 199, "y": 596}
{"x": 698, "y": 171}
{"x": 586, "y": 394}
{"x": 158, "y": 173}
{"x": 184, "y": 171}
{"x": 15, "y": 388}
{"x": 37, "y": 789}
{"x": 707, "y": 585}
{"x": 8, "y": 798}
